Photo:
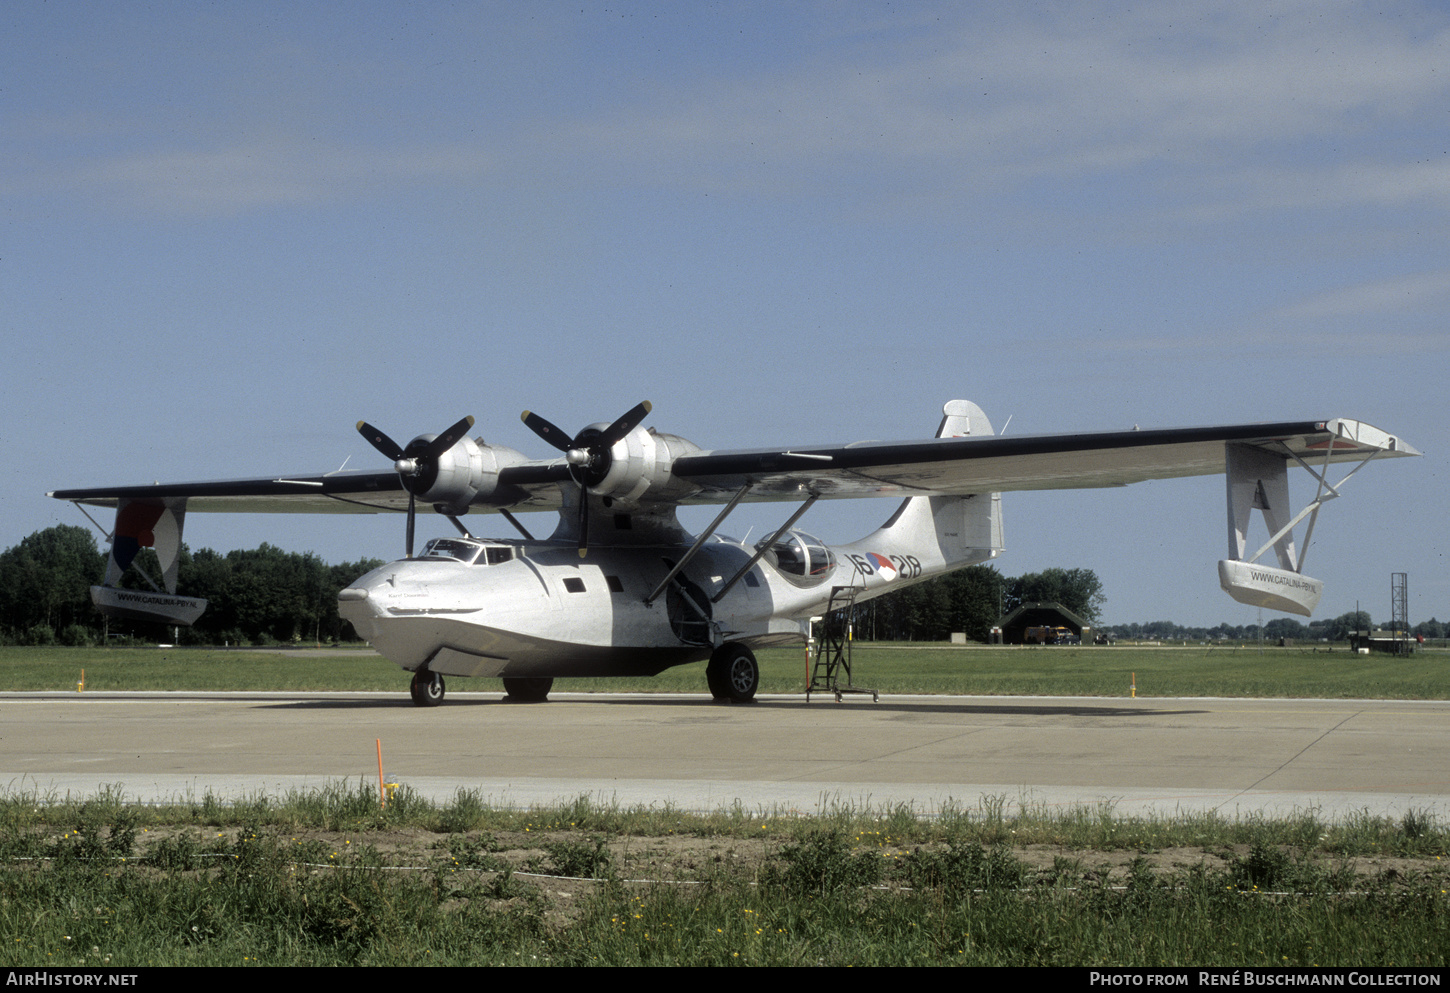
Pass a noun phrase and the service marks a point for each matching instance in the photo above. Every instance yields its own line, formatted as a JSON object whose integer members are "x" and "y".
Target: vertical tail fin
{"x": 942, "y": 533}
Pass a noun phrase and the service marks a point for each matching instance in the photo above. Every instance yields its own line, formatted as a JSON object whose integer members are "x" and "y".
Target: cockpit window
{"x": 451, "y": 548}
{"x": 467, "y": 551}
{"x": 801, "y": 558}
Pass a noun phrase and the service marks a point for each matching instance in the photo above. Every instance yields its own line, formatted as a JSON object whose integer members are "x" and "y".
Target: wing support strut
{"x": 81, "y": 507}
{"x": 699, "y": 542}
{"x": 764, "y": 546}
{"x": 1320, "y": 498}
{"x": 515, "y": 522}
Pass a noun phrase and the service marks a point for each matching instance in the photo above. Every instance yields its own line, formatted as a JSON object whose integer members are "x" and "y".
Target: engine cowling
{"x": 638, "y": 468}
{"x": 460, "y": 476}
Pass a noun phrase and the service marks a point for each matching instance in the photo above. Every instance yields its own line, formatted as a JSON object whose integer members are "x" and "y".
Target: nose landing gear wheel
{"x": 733, "y": 674}
{"x": 426, "y": 688}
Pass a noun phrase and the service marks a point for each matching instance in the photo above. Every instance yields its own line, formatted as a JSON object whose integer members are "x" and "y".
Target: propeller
{"x": 417, "y": 464}
{"x": 587, "y": 454}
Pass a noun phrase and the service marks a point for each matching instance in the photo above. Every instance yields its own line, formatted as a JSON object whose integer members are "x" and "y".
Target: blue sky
{"x": 231, "y": 231}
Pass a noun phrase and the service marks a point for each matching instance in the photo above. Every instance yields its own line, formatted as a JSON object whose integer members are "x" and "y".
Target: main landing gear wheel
{"x": 523, "y": 689}
{"x": 733, "y": 674}
{"x": 426, "y": 688}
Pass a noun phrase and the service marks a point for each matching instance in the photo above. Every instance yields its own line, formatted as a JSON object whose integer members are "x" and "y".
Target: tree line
{"x": 1329, "y": 629}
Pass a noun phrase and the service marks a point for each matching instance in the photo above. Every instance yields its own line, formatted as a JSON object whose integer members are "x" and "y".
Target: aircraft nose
{"x": 356, "y": 605}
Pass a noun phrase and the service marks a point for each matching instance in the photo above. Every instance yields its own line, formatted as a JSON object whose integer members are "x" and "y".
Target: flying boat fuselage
{"x": 537, "y": 609}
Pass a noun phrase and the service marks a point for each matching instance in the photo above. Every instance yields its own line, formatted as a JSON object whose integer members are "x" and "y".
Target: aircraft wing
{"x": 989, "y": 464}
{"x": 329, "y": 493}
{"x": 940, "y": 466}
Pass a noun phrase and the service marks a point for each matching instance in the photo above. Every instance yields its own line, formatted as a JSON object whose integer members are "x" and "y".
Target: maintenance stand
{"x": 834, "y": 655}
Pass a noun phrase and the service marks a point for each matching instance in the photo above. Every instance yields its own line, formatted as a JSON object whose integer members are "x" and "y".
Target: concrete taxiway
{"x": 1238, "y": 757}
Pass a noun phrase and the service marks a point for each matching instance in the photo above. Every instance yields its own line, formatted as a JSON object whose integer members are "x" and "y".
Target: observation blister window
{"x": 802, "y": 558}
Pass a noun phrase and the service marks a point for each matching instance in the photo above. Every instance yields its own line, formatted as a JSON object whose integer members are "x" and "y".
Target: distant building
{"x": 1389, "y": 642}
{"x": 1044, "y": 624}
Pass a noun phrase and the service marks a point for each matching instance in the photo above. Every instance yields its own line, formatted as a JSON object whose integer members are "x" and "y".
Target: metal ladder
{"x": 834, "y": 653}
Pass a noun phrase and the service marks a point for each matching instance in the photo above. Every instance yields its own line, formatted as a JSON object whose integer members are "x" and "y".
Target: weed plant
{"x": 581, "y": 859}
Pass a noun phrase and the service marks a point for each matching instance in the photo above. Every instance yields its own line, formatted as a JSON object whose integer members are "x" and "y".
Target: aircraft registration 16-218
{"x": 620, "y": 588}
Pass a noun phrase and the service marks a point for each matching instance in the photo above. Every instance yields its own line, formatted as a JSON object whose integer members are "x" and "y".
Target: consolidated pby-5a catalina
{"x": 620, "y": 588}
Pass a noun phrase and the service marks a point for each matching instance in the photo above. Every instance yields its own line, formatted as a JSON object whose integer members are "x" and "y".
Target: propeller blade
{"x": 615, "y": 432}
{"x": 411, "y": 463}
{"x": 447, "y": 439}
{"x": 549, "y": 432}
{"x": 588, "y": 453}
{"x": 583, "y": 521}
{"x": 390, "y": 449}
{"x": 408, "y": 543}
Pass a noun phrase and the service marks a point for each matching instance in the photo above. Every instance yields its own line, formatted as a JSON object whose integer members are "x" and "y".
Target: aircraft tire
{"x": 714, "y": 679}
{"x": 426, "y": 688}
{"x": 523, "y": 689}
{"x": 733, "y": 674}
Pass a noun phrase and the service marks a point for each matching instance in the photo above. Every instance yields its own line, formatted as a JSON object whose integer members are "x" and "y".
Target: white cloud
{"x": 1429, "y": 291}
{"x": 1218, "y": 109}
{"x": 271, "y": 174}
{"x": 1258, "y": 94}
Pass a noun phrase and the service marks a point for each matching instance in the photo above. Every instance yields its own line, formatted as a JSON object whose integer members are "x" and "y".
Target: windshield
{"x": 458, "y": 549}
{"x": 466, "y": 550}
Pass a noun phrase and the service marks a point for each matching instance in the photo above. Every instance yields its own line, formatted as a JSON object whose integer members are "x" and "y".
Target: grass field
{"x": 330, "y": 878}
{"x": 889, "y": 668}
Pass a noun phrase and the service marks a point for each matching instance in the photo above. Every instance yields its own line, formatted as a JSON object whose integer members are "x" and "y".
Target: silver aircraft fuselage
{"x": 537, "y": 609}
{"x": 544, "y": 611}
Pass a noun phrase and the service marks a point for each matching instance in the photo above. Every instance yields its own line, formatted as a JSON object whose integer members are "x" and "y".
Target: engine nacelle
{"x": 640, "y": 468}
{"x": 466, "y": 473}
